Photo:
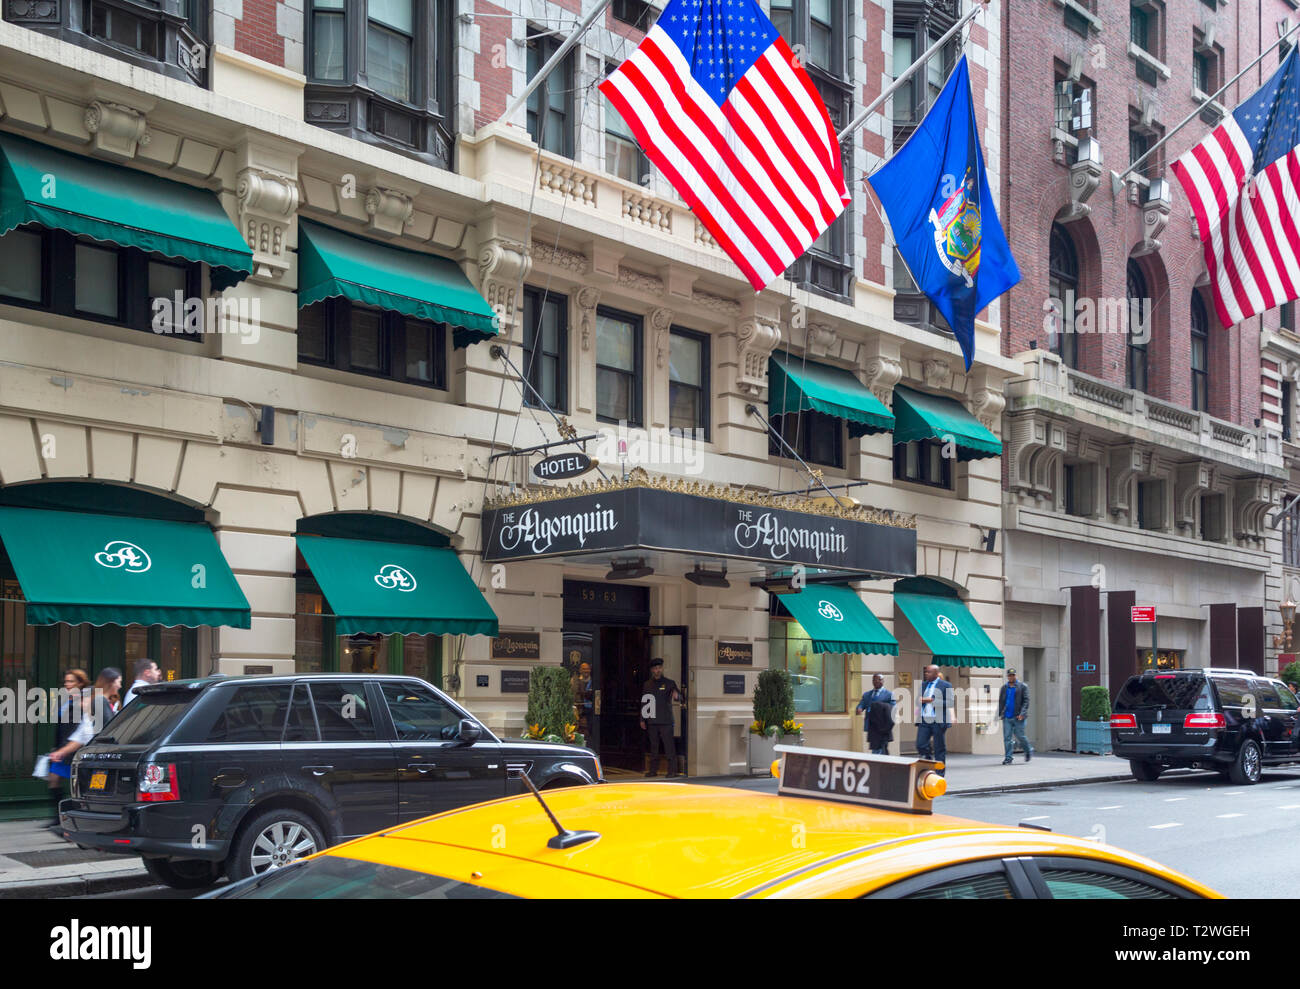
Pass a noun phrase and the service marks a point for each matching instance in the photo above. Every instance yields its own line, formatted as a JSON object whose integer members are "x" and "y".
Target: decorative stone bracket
{"x": 1125, "y": 463}
{"x": 267, "y": 203}
{"x": 986, "y": 405}
{"x": 1189, "y": 481}
{"x": 756, "y": 338}
{"x": 389, "y": 210}
{"x": 937, "y": 374}
{"x": 117, "y": 130}
{"x": 1252, "y": 498}
{"x": 587, "y": 299}
{"x": 661, "y": 321}
{"x": 1155, "y": 217}
{"x": 821, "y": 338}
{"x": 502, "y": 266}
{"x": 882, "y": 374}
{"x": 1036, "y": 446}
{"x": 1085, "y": 176}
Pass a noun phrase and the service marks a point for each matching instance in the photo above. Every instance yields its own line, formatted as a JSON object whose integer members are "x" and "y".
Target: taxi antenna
{"x": 563, "y": 837}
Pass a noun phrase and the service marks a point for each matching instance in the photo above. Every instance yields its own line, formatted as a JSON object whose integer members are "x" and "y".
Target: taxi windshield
{"x": 334, "y": 878}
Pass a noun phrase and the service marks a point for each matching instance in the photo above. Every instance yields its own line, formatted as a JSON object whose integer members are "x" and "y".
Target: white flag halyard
{"x": 720, "y": 104}
{"x": 1243, "y": 184}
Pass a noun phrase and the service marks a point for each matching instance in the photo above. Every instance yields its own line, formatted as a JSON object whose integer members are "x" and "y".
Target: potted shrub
{"x": 551, "y": 716}
{"x": 1092, "y": 727}
{"x": 773, "y": 707}
{"x": 1290, "y": 675}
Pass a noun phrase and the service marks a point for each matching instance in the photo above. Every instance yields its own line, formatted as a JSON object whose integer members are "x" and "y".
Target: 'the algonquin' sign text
{"x": 650, "y": 519}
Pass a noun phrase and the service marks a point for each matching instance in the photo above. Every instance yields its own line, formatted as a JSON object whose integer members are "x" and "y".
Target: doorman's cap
{"x": 656, "y": 662}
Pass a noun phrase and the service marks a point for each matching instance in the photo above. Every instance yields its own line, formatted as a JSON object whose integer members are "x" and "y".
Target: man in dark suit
{"x": 878, "y": 739}
{"x": 933, "y": 716}
{"x": 1013, "y": 708}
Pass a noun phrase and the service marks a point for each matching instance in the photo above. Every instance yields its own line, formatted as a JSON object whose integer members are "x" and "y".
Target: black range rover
{"x": 244, "y": 774}
{"x": 1233, "y": 721}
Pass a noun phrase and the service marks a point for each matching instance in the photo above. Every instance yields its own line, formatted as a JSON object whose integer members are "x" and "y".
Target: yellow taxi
{"x": 842, "y": 824}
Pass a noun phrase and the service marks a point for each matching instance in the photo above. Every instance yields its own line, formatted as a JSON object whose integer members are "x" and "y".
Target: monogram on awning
{"x": 618, "y": 517}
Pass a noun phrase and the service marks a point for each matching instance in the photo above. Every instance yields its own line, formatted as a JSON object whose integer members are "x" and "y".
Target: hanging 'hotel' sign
{"x": 649, "y": 518}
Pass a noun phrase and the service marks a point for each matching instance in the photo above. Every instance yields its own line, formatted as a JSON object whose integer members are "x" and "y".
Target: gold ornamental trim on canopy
{"x": 639, "y": 478}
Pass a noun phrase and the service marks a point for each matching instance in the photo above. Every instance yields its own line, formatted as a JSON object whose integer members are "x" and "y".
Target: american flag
{"x": 720, "y": 104}
{"x": 1243, "y": 182}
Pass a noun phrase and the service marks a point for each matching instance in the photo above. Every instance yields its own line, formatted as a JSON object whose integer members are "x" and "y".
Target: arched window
{"x": 1200, "y": 354}
{"x": 1139, "y": 327}
{"x": 1062, "y": 290}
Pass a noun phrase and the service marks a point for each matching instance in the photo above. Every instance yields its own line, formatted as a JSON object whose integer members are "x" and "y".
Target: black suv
{"x": 244, "y": 774}
{"x": 1232, "y": 721}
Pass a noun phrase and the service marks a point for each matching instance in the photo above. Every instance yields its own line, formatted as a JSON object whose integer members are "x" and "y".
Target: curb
{"x": 111, "y": 882}
{"x": 1044, "y": 784}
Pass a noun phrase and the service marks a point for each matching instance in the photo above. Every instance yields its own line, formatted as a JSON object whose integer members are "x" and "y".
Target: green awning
{"x": 123, "y": 206}
{"x": 948, "y": 629}
{"x": 76, "y": 567}
{"x": 798, "y": 386}
{"x": 380, "y": 588}
{"x": 332, "y": 263}
{"x": 836, "y": 620}
{"x": 922, "y": 417}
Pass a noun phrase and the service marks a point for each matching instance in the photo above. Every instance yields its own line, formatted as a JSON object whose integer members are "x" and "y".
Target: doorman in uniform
{"x": 657, "y": 698}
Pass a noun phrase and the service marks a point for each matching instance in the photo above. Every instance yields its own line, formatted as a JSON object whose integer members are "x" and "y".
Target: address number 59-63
{"x": 830, "y": 773}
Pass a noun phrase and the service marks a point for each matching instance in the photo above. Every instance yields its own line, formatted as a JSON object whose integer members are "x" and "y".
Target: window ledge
{"x": 1214, "y": 105}
{"x": 1142, "y": 55}
{"x": 1065, "y": 137}
{"x": 1094, "y": 22}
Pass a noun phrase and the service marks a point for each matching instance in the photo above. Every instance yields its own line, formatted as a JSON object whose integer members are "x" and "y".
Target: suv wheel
{"x": 1246, "y": 768}
{"x": 1147, "y": 772}
{"x": 183, "y": 873}
{"x": 272, "y": 840}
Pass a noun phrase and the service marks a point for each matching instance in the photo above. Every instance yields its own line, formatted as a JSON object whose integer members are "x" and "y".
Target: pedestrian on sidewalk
{"x": 108, "y": 700}
{"x": 878, "y": 726}
{"x": 67, "y": 721}
{"x": 1013, "y": 708}
{"x": 933, "y": 717}
{"x": 146, "y": 672}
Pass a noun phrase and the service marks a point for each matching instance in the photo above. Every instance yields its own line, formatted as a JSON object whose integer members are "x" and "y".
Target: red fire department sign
{"x": 1143, "y": 613}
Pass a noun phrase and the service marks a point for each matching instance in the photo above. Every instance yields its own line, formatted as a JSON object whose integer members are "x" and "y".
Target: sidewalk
{"x": 985, "y": 773}
{"x": 38, "y": 863}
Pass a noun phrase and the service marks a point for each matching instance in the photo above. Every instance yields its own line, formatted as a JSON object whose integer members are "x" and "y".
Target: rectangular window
{"x": 369, "y": 344}
{"x": 425, "y": 352}
{"x": 1201, "y": 72}
{"x": 688, "y": 381}
{"x": 635, "y": 13}
{"x": 314, "y": 335}
{"x": 1140, "y": 28}
{"x": 21, "y": 274}
{"x": 1288, "y": 408}
{"x": 336, "y": 333}
{"x": 545, "y": 351}
{"x": 820, "y": 680}
{"x": 1212, "y": 528}
{"x": 1077, "y": 482}
{"x": 390, "y": 44}
{"x": 904, "y": 55}
{"x": 817, "y": 438}
{"x": 623, "y": 156}
{"x": 821, "y": 33}
{"x": 116, "y": 26}
{"x": 168, "y": 282}
{"x": 98, "y": 281}
{"x": 549, "y": 103}
{"x": 923, "y": 462}
{"x": 1151, "y": 504}
{"x": 1290, "y": 532}
{"x": 328, "y": 30}
{"x": 1200, "y": 371}
{"x": 1076, "y": 22}
{"x": 1286, "y": 316}
{"x": 618, "y": 367}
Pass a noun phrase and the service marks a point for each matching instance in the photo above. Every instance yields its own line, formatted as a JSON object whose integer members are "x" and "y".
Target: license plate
{"x": 98, "y": 781}
{"x": 1161, "y": 729}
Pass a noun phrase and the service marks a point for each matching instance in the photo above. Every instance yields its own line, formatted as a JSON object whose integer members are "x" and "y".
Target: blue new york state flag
{"x": 942, "y": 212}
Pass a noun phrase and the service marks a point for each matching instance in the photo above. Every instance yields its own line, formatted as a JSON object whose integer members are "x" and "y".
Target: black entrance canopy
{"x": 696, "y": 520}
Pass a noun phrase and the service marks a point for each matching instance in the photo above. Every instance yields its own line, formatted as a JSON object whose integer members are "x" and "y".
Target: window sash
{"x": 389, "y": 58}
{"x": 544, "y": 348}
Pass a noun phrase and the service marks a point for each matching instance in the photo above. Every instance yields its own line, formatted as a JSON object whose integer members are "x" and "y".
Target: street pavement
{"x": 1235, "y": 839}
{"x": 1184, "y": 820}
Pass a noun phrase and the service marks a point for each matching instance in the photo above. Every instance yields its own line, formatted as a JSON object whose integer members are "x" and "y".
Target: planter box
{"x": 762, "y": 750}
{"x": 1092, "y": 736}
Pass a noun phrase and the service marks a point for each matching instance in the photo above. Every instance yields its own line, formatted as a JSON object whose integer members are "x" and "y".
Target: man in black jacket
{"x": 1013, "y": 708}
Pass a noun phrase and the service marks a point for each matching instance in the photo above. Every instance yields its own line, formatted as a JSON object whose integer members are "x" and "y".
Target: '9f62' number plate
{"x": 843, "y": 777}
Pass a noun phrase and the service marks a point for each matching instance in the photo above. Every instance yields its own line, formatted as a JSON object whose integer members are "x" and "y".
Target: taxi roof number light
{"x": 893, "y": 782}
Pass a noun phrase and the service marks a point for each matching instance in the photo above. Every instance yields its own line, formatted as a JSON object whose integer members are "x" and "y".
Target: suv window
{"x": 1181, "y": 693}
{"x": 301, "y": 724}
{"x": 1285, "y": 695}
{"x": 148, "y": 718}
{"x": 254, "y": 713}
{"x": 418, "y": 713}
{"x": 1233, "y": 691}
{"x": 1267, "y": 694}
{"x": 343, "y": 712}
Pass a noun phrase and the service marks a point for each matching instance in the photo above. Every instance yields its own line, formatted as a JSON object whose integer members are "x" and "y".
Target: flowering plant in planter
{"x": 760, "y": 729}
{"x": 791, "y": 727}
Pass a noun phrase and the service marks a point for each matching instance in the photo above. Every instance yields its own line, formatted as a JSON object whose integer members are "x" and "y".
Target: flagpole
{"x": 554, "y": 60}
{"x": 861, "y": 118}
{"x": 1117, "y": 179}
